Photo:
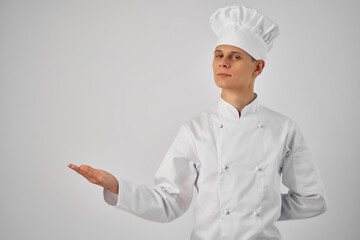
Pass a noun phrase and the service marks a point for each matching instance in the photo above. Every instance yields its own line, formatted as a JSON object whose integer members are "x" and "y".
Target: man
{"x": 235, "y": 156}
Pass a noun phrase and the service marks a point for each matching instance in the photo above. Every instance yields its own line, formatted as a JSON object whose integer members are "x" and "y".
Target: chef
{"x": 235, "y": 155}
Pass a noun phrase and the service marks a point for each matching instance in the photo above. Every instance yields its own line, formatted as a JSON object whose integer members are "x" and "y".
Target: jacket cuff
{"x": 110, "y": 197}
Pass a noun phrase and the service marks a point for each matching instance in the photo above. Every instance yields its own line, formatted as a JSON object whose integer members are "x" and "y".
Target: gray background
{"x": 108, "y": 83}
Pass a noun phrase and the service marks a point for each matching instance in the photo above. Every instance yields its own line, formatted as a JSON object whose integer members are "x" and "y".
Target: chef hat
{"x": 245, "y": 28}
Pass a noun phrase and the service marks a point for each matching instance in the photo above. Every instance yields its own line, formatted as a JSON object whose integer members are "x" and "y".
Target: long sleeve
{"x": 306, "y": 195}
{"x": 172, "y": 193}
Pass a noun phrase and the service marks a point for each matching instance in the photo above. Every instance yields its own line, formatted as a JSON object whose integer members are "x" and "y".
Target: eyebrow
{"x": 230, "y": 52}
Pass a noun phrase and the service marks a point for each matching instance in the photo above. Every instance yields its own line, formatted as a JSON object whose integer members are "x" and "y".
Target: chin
{"x": 222, "y": 84}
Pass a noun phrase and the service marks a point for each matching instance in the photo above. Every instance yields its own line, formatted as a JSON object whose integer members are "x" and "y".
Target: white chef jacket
{"x": 235, "y": 164}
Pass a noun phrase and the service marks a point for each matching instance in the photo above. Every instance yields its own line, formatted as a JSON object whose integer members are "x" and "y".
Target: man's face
{"x": 235, "y": 62}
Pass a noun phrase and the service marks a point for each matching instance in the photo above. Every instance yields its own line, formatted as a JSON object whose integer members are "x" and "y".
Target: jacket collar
{"x": 228, "y": 111}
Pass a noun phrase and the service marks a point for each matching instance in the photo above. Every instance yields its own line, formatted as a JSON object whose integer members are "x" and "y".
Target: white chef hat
{"x": 245, "y": 28}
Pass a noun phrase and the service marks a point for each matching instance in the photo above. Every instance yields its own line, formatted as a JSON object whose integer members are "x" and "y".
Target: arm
{"x": 306, "y": 196}
{"x": 172, "y": 193}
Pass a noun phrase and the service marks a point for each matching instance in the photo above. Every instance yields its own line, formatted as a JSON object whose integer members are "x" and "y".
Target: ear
{"x": 260, "y": 64}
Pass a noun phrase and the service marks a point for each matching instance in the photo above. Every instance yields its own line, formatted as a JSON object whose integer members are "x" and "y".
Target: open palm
{"x": 97, "y": 176}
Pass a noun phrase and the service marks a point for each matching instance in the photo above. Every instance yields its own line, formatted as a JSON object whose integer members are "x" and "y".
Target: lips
{"x": 223, "y": 74}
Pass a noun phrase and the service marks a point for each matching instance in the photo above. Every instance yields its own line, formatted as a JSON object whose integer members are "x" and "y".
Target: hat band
{"x": 236, "y": 35}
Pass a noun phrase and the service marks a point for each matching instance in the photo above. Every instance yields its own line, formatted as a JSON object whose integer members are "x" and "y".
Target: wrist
{"x": 116, "y": 189}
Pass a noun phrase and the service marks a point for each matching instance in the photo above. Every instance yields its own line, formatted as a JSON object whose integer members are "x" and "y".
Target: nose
{"x": 224, "y": 63}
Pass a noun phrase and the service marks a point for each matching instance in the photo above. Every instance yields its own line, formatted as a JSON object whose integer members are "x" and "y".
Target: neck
{"x": 238, "y": 99}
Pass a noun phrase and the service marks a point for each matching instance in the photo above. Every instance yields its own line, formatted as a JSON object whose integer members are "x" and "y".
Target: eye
{"x": 217, "y": 55}
{"x": 237, "y": 57}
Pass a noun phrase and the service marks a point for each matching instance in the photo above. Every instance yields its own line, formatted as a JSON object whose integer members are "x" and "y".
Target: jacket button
{"x": 225, "y": 167}
{"x": 256, "y": 213}
{"x": 260, "y": 125}
{"x": 221, "y": 125}
{"x": 258, "y": 168}
{"x": 227, "y": 212}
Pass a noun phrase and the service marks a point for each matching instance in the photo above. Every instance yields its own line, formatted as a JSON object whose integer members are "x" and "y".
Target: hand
{"x": 98, "y": 177}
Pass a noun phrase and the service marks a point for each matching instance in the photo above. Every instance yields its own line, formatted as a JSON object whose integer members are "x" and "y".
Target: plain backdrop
{"x": 108, "y": 84}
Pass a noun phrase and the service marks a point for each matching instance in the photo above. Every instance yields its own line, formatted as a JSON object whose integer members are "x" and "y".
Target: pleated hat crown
{"x": 245, "y": 28}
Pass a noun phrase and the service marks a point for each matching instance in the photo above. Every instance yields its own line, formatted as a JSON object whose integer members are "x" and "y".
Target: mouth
{"x": 223, "y": 75}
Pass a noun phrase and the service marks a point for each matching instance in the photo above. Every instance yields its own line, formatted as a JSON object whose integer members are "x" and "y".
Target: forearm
{"x": 300, "y": 206}
{"x": 153, "y": 203}
{"x": 172, "y": 192}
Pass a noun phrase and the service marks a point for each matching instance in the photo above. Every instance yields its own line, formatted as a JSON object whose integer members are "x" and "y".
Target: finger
{"x": 87, "y": 172}
{"x": 74, "y": 167}
{"x": 81, "y": 170}
{"x": 92, "y": 172}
